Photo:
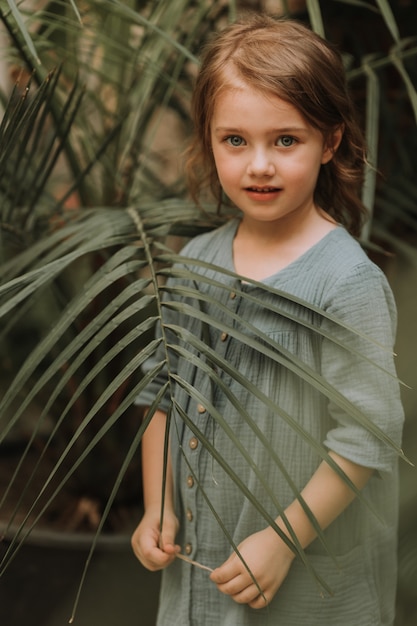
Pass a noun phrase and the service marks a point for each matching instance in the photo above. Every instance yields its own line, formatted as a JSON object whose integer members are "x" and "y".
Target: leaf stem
{"x": 191, "y": 562}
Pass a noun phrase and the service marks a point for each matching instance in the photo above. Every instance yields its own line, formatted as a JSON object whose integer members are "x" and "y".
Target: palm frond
{"x": 102, "y": 268}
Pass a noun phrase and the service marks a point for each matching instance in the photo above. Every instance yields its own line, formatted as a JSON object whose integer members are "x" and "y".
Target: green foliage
{"x": 93, "y": 212}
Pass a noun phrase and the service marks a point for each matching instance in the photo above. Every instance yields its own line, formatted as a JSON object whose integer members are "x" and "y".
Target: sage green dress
{"x": 358, "y": 564}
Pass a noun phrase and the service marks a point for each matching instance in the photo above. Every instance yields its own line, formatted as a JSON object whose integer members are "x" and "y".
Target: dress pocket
{"x": 353, "y": 600}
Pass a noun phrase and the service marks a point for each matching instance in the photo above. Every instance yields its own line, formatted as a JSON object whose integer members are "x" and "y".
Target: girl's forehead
{"x": 238, "y": 96}
{"x": 240, "y": 107}
{"x": 232, "y": 84}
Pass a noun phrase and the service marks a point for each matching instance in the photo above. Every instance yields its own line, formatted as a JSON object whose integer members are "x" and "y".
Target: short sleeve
{"x": 362, "y": 299}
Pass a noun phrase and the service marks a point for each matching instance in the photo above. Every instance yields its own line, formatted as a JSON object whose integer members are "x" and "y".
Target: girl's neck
{"x": 263, "y": 249}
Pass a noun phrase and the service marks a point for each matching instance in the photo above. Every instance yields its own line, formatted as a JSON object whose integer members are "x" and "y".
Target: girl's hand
{"x": 155, "y": 550}
{"x": 269, "y": 560}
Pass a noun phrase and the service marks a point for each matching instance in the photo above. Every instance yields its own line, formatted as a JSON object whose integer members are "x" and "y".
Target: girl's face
{"x": 267, "y": 155}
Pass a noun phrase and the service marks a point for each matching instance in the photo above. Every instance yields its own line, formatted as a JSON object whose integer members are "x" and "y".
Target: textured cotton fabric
{"x": 334, "y": 275}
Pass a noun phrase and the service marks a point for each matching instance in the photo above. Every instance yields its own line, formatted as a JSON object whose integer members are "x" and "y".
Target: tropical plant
{"x": 90, "y": 124}
{"x": 93, "y": 213}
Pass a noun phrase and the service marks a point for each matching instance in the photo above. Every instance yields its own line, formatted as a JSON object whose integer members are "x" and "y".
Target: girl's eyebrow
{"x": 273, "y": 131}
{"x": 225, "y": 129}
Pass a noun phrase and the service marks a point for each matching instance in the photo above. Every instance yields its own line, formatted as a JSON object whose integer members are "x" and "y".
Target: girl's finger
{"x": 234, "y": 586}
{"x": 230, "y": 569}
{"x": 250, "y": 595}
{"x": 259, "y": 602}
{"x": 170, "y": 548}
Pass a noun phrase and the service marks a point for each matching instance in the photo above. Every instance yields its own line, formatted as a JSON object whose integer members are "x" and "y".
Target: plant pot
{"x": 40, "y": 585}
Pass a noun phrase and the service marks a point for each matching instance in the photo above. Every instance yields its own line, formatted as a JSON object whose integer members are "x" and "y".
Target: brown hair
{"x": 285, "y": 58}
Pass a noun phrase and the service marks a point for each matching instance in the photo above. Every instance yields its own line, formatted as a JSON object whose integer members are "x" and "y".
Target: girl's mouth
{"x": 262, "y": 189}
{"x": 263, "y": 194}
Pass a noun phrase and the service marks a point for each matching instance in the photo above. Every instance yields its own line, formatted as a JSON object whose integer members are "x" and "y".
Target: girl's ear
{"x": 331, "y": 144}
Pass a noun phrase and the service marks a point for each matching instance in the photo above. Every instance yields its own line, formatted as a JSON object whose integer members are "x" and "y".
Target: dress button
{"x": 201, "y": 408}
{"x": 232, "y": 295}
{"x": 193, "y": 443}
{"x": 188, "y": 548}
{"x": 189, "y": 515}
{"x": 190, "y": 481}
{"x": 224, "y": 336}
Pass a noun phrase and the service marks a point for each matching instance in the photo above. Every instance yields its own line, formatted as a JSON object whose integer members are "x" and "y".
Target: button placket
{"x": 232, "y": 303}
{"x": 189, "y": 501}
{"x": 222, "y": 337}
{"x": 199, "y": 414}
{"x": 189, "y": 504}
{"x": 189, "y": 494}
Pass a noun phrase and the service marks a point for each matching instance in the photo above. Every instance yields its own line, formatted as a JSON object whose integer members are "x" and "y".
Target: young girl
{"x": 275, "y": 133}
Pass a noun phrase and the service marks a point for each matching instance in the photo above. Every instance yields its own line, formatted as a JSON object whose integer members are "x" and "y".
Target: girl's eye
{"x": 235, "y": 141}
{"x": 286, "y": 141}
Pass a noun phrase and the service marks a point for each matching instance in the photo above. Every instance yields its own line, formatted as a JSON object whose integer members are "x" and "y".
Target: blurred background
{"x": 95, "y": 99}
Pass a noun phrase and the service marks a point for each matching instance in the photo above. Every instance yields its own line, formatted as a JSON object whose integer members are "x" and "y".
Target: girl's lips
{"x": 262, "y": 189}
{"x": 263, "y": 193}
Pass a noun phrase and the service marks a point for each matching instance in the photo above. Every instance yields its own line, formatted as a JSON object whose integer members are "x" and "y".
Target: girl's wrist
{"x": 280, "y": 543}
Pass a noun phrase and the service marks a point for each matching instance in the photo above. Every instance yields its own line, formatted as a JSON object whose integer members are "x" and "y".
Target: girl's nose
{"x": 261, "y": 164}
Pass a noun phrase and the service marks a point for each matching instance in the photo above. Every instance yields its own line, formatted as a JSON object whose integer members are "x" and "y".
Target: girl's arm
{"x": 327, "y": 495}
{"x": 154, "y": 549}
{"x": 267, "y": 555}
